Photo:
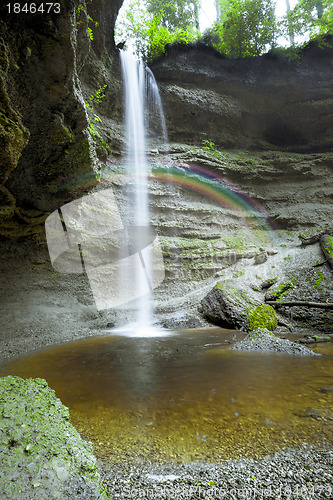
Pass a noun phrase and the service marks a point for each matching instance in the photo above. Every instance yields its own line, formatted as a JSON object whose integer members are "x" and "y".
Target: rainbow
{"x": 217, "y": 188}
{"x": 192, "y": 177}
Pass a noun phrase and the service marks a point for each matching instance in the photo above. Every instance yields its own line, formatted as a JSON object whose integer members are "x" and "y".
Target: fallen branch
{"x": 326, "y": 243}
{"x": 321, "y": 305}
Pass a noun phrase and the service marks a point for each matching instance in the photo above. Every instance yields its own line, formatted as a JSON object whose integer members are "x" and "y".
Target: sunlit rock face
{"x": 256, "y": 103}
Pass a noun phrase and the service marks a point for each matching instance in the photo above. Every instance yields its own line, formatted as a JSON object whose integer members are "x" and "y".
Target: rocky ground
{"x": 290, "y": 474}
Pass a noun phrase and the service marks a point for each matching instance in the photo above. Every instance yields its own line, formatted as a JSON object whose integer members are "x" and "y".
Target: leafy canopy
{"x": 311, "y": 18}
{"x": 176, "y": 14}
{"x": 150, "y": 28}
{"x": 246, "y": 28}
{"x": 243, "y": 27}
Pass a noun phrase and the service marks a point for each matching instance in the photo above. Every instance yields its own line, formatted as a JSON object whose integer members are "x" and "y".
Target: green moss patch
{"x": 263, "y": 316}
{"x": 280, "y": 291}
{"x": 43, "y": 456}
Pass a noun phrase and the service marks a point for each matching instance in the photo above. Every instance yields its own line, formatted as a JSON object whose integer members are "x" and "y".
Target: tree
{"x": 246, "y": 28}
{"x": 180, "y": 14}
{"x": 290, "y": 28}
{"x": 311, "y": 17}
{"x": 148, "y": 33}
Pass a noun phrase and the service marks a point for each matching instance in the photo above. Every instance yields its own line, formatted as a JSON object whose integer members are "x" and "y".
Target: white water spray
{"x": 138, "y": 81}
{"x": 155, "y": 104}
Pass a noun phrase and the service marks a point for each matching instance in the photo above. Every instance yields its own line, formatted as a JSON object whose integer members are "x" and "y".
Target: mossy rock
{"x": 326, "y": 243}
{"x": 42, "y": 454}
{"x": 263, "y": 316}
{"x": 313, "y": 234}
{"x": 279, "y": 292}
{"x": 227, "y": 306}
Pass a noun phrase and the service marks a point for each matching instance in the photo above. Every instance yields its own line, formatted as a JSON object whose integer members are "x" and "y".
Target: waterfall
{"x": 134, "y": 83}
{"x": 155, "y": 104}
{"x": 140, "y": 90}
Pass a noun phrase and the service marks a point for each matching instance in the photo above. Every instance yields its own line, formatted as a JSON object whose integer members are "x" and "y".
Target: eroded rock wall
{"x": 51, "y": 65}
{"x": 267, "y": 102}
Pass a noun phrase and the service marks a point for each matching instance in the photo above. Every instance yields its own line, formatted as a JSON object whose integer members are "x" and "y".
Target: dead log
{"x": 326, "y": 243}
{"x": 302, "y": 303}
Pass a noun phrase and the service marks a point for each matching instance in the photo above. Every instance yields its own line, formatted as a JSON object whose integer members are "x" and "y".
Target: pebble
{"x": 265, "y": 341}
{"x": 296, "y": 473}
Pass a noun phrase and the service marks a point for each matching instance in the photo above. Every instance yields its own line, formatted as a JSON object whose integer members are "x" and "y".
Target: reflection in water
{"x": 187, "y": 396}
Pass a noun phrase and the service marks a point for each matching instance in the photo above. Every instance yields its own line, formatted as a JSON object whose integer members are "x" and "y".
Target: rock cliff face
{"x": 61, "y": 130}
{"x": 267, "y": 102}
{"x": 50, "y": 66}
{"x": 55, "y": 132}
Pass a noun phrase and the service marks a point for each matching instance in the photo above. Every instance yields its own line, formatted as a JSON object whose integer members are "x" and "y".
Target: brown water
{"x": 187, "y": 396}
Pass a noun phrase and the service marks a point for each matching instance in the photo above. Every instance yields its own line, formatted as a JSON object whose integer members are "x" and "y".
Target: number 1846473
{"x": 33, "y": 8}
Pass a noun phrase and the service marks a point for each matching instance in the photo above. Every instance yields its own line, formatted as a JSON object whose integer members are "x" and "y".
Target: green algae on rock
{"x": 326, "y": 243}
{"x": 227, "y": 306}
{"x": 279, "y": 291}
{"x": 262, "y": 317}
{"x": 262, "y": 339}
{"x": 43, "y": 455}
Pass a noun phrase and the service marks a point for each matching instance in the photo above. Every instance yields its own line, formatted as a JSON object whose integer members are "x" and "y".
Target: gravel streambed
{"x": 263, "y": 340}
{"x": 305, "y": 473}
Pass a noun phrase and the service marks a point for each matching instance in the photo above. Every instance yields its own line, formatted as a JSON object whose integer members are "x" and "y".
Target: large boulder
{"x": 227, "y": 306}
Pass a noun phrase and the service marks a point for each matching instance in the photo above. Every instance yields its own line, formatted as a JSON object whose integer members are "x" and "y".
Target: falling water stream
{"x": 134, "y": 76}
{"x": 141, "y": 95}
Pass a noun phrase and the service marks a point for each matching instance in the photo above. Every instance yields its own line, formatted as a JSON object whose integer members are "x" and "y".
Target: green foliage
{"x": 81, "y": 10}
{"x": 176, "y": 14}
{"x": 148, "y": 32}
{"x": 246, "y": 28}
{"x": 96, "y": 98}
{"x": 99, "y": 95}
{"x": 311, "y": 18}
{"x": 90, "y": 33}
{"x": 319, "y": 279}
{"x": 263, "y": 316}
{"x": 211, "y": 148}
{"x": 292, "y": 52}
{"x": 282, "y": 290}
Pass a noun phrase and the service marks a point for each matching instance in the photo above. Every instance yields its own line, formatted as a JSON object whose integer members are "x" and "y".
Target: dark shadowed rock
{"x": 264, "y": 102}
{"x": 49, "y": 68}
{"x": 227, "y": 306}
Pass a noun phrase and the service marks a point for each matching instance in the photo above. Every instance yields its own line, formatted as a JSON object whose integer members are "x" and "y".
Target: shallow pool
{"x": 187, "y": 396}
